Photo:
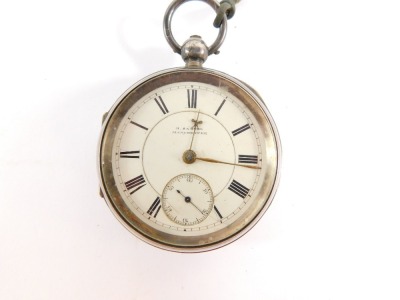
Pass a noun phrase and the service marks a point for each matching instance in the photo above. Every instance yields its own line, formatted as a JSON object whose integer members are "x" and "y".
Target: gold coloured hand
{"x": 195, "y": 126}
{"x": 210, "y": 160}
{"x": 189, "y": 156}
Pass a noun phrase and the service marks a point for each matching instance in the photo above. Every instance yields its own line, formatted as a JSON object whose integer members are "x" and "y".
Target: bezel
{"x": 254, "y": 212}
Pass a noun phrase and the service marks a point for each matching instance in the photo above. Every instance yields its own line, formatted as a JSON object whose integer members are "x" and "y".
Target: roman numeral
{"x": 129, "y": 154}
{"x": 241, "y": 129}
{"x": 248, "y": 159}
{"x": 219, "y": 108}
{"x": 238, "y": 189}
{"x": 138, "y": 125}
{"x": 161, "y": 105}
{"x": 217, "y": 211}
{"x": 192, "y": 98}
{"x": 155, "y": 207}
{"x": 136, "y": 183}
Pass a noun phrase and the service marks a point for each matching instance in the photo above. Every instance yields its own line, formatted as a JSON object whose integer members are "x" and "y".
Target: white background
{"x": 329, "y": 71}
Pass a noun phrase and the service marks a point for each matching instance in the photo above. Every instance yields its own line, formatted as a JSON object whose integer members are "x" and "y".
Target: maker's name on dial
{"x": 188, "y": 130}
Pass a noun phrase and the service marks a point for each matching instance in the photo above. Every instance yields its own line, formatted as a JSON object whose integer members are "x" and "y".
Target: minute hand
{"x": 225, "y": 163}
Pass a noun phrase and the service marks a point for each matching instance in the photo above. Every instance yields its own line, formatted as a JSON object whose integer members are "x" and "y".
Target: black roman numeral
{"x": 248, "y": 159}
{"x": 219, "y": 108}
{"x": 217, "y": 211}
{"x": 155, "y": 207}
{"x": 238, "y": 189}
{"x": 192, "y": 98}
{"x": 161, "y": 105}
{"x": 129, "y": 154}
{"x": 137, "y": 183}
{"x": 241, "y": 129}
{"x": 138, "y": 125}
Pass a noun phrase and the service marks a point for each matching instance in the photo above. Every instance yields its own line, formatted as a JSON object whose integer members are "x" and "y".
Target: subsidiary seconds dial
{"x": 187, "y": 199}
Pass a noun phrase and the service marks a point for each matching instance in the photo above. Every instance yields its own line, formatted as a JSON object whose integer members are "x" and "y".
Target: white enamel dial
{"x": 190, "y": 161}
{"x": 146, "y": 159}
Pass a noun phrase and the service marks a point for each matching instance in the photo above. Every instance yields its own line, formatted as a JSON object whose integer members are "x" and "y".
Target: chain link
{"x": 228, "y": 8}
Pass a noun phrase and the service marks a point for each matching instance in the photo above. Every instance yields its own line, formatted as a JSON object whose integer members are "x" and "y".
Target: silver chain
{"x": 226, "y": 7}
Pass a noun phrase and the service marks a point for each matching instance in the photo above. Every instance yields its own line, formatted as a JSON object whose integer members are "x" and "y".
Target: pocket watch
{"x": 189, "y": 157}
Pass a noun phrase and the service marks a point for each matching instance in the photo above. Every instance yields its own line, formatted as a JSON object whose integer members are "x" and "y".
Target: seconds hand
{"x": 189, "y": 200}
